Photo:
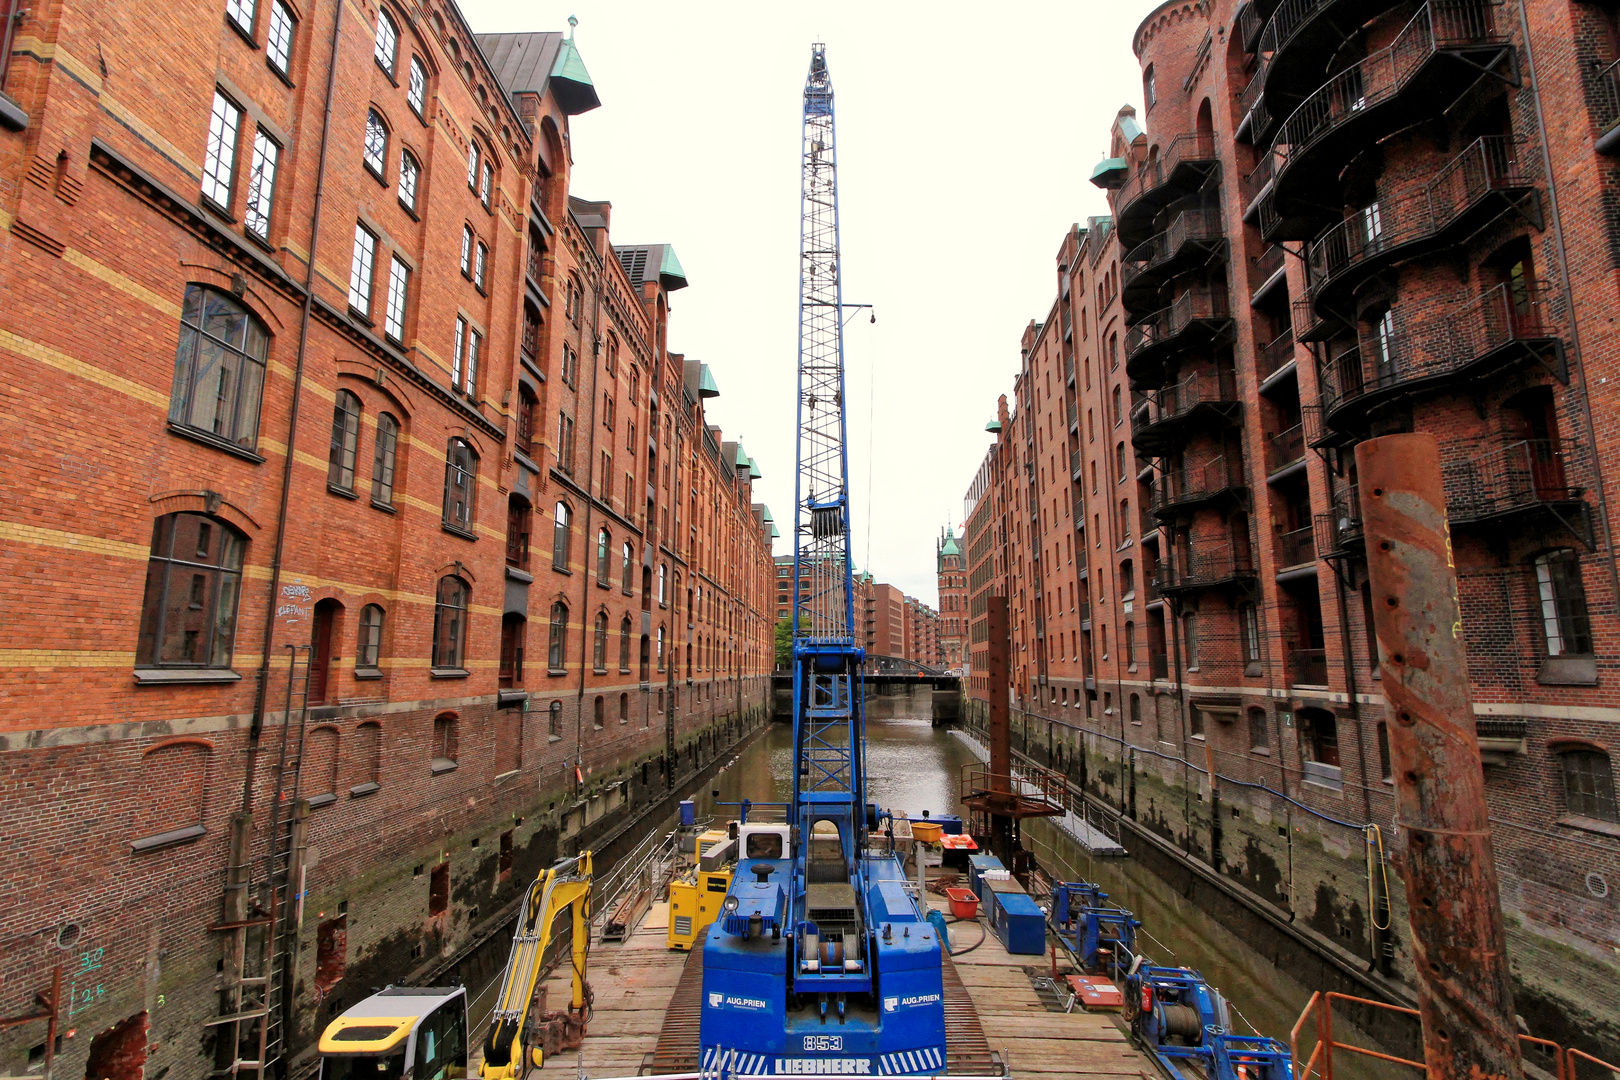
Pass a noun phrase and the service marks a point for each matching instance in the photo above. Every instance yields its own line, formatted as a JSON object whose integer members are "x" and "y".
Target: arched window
{"x": 624, "y": 716}
{"x": 1249, "y": 623}
{"x": 559, "y": 537}
{"x": 599, "y": 651}
{"x": 517, "y": 532}
{"x": 660, "y": 648}
{"x": 410, "y": 174}
{"x": 218, "y": 368}
{"x": 446, "y": 742}
{"x": 475, "y": 158}
{"x": 367, "y": 758}
{"x": 416, "y": 92}
{"x": 193, "y": 581}
{"x": 345, "y": 440}
{"x": 387, "y": 51}
{"x": 603, "y": 546}
{"x": 1150, "y": 92}
{"x": 1565, "y": 628}
{"x": 513, "y": 626}
{"x": 525, "y": 420}
{"x": 557, "y": 650}
{"x": 555, "y": 724}
{"x": 1589, "y": 783}
{"x": 382, "y": 462}
{"x": 599, "y": 712}
{"x": 368, "y": 643}
{"x": 624, "y": 646}
{"x": 627, "y": 584}
{"x": 450, "y": 623}
{"x": 376, "y": 150}
{"x": 663, "y": 583}
{"x": 460, "y": 476}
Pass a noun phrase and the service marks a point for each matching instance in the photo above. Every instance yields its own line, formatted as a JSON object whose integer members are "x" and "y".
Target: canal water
{"x": 913, "y": 766}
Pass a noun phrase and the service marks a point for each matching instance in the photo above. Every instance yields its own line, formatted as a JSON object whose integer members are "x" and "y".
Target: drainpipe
{"x": 585, "y": 570}
{"x": 260, "y": 692}
{"x": 1569, "y": 303}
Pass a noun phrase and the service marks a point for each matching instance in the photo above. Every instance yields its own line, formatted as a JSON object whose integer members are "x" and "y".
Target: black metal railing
{"x": 1283, "y": 448}
{"x": 1190, "y": 226}
{"x": 1252, "y": 107}
{"x": 1209, "y": 386}
{"x": 1198, "y": 482}
{"x": 1307, "y": 667}
{"x": 1271, "y": 357}
{"x": 1200, "y": 569}
{"x": 1254, "y": 182}
{"x": 1295, "y": 547}
{"x": 1513, "y": 313}
{"x": 1438, "y": 26}
{"x": 1075, "y": 464}
{"x": 1193, "y": 305}
{"x": 1154, "y": 172}
{"x": 1340, "y": 530}
{"x": 1517, "y": 476}
{"x": 1265, "y": 266}
{"x": 1490, "y": 163}
{"x": 1606, "y": 102}
{"x": 1249, "y": 25}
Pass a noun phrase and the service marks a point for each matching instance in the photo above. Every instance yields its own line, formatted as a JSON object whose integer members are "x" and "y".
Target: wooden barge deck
{"x": 648, "y": 999}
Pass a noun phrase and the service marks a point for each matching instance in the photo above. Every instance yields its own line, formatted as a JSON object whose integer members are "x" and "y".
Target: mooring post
{"x": 1458, "y": 939}
{"x": 1000, "y": 727}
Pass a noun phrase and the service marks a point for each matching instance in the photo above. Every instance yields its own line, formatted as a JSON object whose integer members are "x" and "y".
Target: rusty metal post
{"x": 996, "y": 678}
{"x": 1458, "y": 940}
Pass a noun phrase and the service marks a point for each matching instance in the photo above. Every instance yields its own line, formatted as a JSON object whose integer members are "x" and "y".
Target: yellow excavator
{"x": 519, "y": 1034}
{"x": 421, "y": 1032}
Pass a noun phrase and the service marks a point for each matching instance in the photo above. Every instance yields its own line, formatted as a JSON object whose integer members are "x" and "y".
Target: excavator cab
{"x": 418, "y": 1032}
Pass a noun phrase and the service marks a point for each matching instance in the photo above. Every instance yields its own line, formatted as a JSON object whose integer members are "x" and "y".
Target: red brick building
{"x": 388, "y": 394}
{"x": 951, "y": 567}
{"x": 1172, "y": 508}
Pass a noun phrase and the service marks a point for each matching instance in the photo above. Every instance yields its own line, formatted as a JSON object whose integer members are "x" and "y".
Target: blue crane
{"x": 823, "y": 961}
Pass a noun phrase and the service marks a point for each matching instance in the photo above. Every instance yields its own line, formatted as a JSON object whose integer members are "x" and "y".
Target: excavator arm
{"x": 562, "y": 888}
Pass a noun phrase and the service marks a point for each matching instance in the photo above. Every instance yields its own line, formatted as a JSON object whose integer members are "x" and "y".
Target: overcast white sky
{"x": 966, "y": 134}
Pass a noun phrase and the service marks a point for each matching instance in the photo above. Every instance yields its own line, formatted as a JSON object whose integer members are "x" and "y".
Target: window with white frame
{"x": 261, "y": 188}
{"x": 1565, "y": 626}
{"x": 458, "y": 352}
{"x": 362, "y": 269}
{"x": 480, "y": 260}
{"x": 219, "y": 165}
{"x": 399, "y": 280}
{"x": 466, "y": 250}
{"x": 475, "y": 347}
{"x": 473, "y": 160}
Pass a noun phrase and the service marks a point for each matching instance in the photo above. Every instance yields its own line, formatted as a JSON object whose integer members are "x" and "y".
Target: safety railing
{"x": 1215, "y": 386}
{"x": 1197, "y": 569}
{"x": 1513, "y": 313}
{"x": 1605, "y": 103}
{"x": 1197, "y": 482}
{"x": 1265, "y": 266}
{"x": 1335, "y": 532}
{"x": 1521, "y": 474}
{"x": 1438, "y": 25}
{"x": 1034, "y": 786}
{"x": 1319, "y": 1063}
{"x": 1249, "y": 25}
{"x": 1075, "y": 464}
{"x": 1285, "y": 448}
{"x": 1252, "y": 107}
{"x": 1183, "y": 148}
{"x": 1169, "y": 322}
{"x": 1307, "y": 667}
{"x": 1273, "y": 356}
{"x": 1489, "y": 164}
{"x": 1295, "y": 547}
{"x": 1255, "y": 180}
{"x": 1189, "y": 226}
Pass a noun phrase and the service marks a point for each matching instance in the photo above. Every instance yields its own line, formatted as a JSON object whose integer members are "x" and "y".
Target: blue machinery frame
{"x": 823, "y": 962}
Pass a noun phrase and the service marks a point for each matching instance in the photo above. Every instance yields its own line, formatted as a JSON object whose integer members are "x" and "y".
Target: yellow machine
{"x": 695, "y": 897}
{"x": 414, "y": 1031}
{"x": 516, "y": 1033}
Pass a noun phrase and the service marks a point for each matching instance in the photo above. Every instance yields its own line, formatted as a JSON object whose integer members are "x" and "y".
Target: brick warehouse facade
{"x": 1171, "y": 502}
{"x": 458, "y": 416}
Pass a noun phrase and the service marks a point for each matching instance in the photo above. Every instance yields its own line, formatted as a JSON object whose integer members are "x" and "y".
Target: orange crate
{"x": 964, "y": 904}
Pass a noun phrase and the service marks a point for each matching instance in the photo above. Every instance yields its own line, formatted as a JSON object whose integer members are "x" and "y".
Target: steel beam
{"x": 1458, "y": 940}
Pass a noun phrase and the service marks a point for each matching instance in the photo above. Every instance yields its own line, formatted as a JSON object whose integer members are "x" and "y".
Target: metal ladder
{"x": 262, "y": 916}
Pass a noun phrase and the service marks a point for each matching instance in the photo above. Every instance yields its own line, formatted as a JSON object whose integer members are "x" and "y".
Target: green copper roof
{"x": 570, "y": 82}
{"x": 1110, "y": 172}
{"x": 775, "y": 532}
{"x": 765, "y": 512}
{"x": 670, "y": 267}
{"x": 753, "y": 470}
{"x": 994, "y": 425}
{"x": 706, "y": 385}
{"x": 950, "y": 547}
{"x": 1129, "y": 128}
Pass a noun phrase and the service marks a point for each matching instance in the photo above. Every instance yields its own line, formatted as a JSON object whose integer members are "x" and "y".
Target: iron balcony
{"x": 1180, "y": 168}
{"x": 1206, "y": 399}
